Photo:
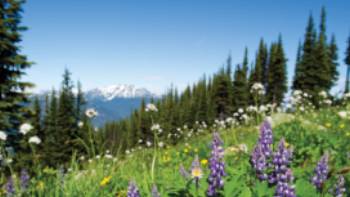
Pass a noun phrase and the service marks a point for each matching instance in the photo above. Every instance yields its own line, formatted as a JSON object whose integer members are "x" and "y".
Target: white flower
{"x": 91, "y": 113}
{"x": 34, "y": 140}
{"x": 328, "y": 102}
{"x": 342, "y": 114}
{"x": 25, "y": 128}
{"x": 323, "y": 94}
{"x": 297, "y": 92}
{"x": 240, "y": 110}
{"x": 80, "y": 124}
{"x": 148, "y": 143}
{"x": 151, "y": 107}
{"x": 262, "y": 108}
{"x": 127, "y": 152}
{"x": 243, "y": 148}
{"x": 140, "y": 141}
{"x": 98, "y": 157}
{"x": 155, "y": 127}
{"x": 82, "y": 158}
{"x": 161, "y": 144}
{"x": 109, "y": 156}
{"x": 3, "y": 135}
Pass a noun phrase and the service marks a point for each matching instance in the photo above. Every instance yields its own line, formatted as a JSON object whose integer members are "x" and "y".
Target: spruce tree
{"x": 240, "y": 84}
{"x": 277, "y": 74}
{"x": 13, "y": 99}
{"x": 333, "y": 64}
{"x": 222, "y": 95}
{"x": 347, "y": 62}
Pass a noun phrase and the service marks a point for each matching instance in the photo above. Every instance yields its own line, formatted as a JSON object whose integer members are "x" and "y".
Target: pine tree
{"x": 66, "y": 119}
{"x": 222, "y": 95}
{"x": 305, "y": 75}
{"x": 347, "y": 62}
{"x": 13, "y": 99}
{"x": 36, "y": 118}
{"x": 240, "y": 84}
{"x": 333, "y": 64}
{"x": 277, "y": 74}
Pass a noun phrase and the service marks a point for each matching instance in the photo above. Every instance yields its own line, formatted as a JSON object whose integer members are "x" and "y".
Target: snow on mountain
{"x": 119, "y": 91}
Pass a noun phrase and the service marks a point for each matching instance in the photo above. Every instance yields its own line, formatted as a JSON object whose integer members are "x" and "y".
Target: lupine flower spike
{"x": 266, "y": 138}
{"x": 24, "y": 180}
{"x": 9, "y": 187}
{"x": 155, "y": 192}
{"x": 321, "y": 172}
{"x": 216, "y": 166}
{"x": 258, "y": 161}
{"x": 133, "y": 191}
{"x": 339, "y": 190}
{"x": 281, "y": 160}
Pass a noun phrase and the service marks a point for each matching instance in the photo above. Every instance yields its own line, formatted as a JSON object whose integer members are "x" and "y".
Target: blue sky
{"x": 156, "y": 43}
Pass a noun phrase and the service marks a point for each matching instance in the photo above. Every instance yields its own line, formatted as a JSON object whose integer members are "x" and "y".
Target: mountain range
{"x": 114, "y": 102}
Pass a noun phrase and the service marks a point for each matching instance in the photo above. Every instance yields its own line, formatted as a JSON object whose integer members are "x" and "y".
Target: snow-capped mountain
{"x": 119, "y": 91}
{"x": 112, "y": 102}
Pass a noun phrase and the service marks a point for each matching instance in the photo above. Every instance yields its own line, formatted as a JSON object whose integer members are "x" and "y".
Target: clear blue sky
{"x": 158, "y": 43}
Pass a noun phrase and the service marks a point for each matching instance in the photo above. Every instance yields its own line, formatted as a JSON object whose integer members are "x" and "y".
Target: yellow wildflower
{"x": 166, "y": 158}
{"x": 40, "y": 185}
{"x": 328, "y": 125}
{"x": 204, "y": 162}
{"x": 185, "y": 150}
{"x": 105, "y": 181}
{"x": 347, "y": 134}
{"x": 286, "y": 144}
{"x": 342, "y": 126}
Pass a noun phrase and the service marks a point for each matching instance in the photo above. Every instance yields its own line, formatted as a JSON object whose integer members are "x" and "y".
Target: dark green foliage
{"x": 316, "y": 67}
{"x": 277, "y": 74}
{"x": 240, "y": 84}
{"x": 347, "y": 62}
{"x": 222, "y": 95}
{"x": 13, "y": 99}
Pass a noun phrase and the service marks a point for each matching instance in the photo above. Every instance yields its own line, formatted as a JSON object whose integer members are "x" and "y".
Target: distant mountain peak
{"x": 120, "y": 91}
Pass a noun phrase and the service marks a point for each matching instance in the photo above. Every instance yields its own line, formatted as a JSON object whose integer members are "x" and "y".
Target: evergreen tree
{"x": 240, "y": 84}
{"x": 277, "y": 74}
{"x": 13, "y": 99}
{"x": 305, "y": 75}
{"x": 347, "y": 62}
{"x": 36, "y": 118}
{"x": 222, "y": 95}
{"x": 333, "y": 64}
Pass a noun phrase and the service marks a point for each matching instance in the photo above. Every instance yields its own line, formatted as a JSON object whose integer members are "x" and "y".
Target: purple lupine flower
{"x": 196, "y": 171}
{"x": 133, "y": 191}
{"x": 155, "y": 192}
{"x": 184, "y": 172}
{"x": 258, "y": 161}
{"x": 9, "y": 187}
{"x": 216, "y": 166}
{"x": 266, "y": 138}
{"x": 339, "y": 189}
{"x": 24, "y": 179}
{"x": 321, "y": 172}
{"x": 283, "y": 188}
{"x": 281, "y": 160}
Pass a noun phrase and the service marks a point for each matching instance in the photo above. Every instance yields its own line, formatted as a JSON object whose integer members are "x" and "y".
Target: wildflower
{"x": 25, "y": 128}
{"x": 91, "y": 113}
{"x": 243, "y": 148}
{"x": 342, "y": 114}
{"x": 283, "y": 189}
{"x": 161, "y": 144}
{"x": 196, "y": 171}
{"x": 328, "y": 125}
{"x": 281, "y": 160}
{"x": 339, "y": 190}
{"x": 321, "y": 172}
{"x": 266, "y": 138}
{"x": 105, "y": 181}
{"x": 40, "y": 185}
{"x": 204, "y": 162}
{"x": 9, "y": 187}
{"x": 155, "y": 127}
{"x": 148, "y": 143}
{"x": 186, "y": 150}
{"x": 183, "y": 172}
{"x": 3, "y": 136}
{"x": 24, "y": 180}
{"x": 133, "y": 191}
{"x": 151, "y": 107}
{"x": 108, "y": 156}
{"x": 258, "y": 162}
{"x": 216, "y": 166}
{"x": 34, "y": 140}
{"x": 80, "y": 124}
{"x": 155, "y": 192}
{"x": 342, "y": 126}
{"x": 323, "y": 94}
